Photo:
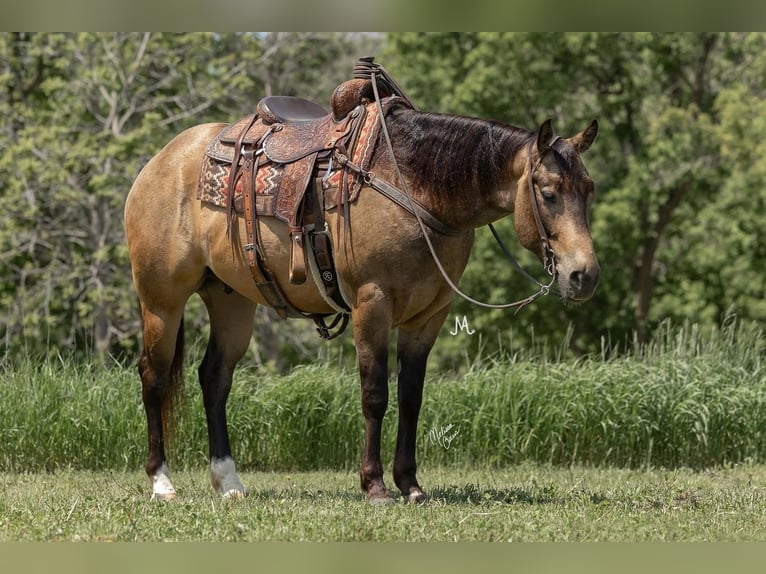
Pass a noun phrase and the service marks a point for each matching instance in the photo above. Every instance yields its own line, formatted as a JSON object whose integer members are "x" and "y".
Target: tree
{"x": 721, "y": 244}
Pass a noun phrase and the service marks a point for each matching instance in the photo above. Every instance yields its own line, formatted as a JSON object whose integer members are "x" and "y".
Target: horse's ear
{"x": 582, "y": 141}
{"x": 544, "y": 135}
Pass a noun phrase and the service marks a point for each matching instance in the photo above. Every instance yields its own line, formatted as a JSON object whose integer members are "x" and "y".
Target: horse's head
{"x": 551, "y": 210}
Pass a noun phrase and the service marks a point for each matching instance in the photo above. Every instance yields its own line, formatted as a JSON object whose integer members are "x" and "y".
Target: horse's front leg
{"x": 412, "y": 355}
{"x": 372, "y": 329}
{"x": 231, "y": 323}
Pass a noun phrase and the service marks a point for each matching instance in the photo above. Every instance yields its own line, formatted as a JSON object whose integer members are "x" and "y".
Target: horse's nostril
{"x": 576, "y": 279}
{"x": 584, "y": 281}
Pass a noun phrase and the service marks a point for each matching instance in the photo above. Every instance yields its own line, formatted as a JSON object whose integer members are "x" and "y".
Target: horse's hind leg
{"x": 160, "y": 370}
{"x": 231, "y": 326}
{"x": 413, "y": 348}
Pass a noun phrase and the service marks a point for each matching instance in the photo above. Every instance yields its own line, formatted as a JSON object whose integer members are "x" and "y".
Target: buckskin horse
{"x": 367, "y": 211}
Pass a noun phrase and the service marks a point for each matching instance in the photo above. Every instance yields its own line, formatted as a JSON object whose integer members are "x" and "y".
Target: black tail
{"x": 174, "y": 392}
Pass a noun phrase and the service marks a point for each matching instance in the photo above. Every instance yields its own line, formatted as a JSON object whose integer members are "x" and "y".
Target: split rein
{"x": 404, "y": 199}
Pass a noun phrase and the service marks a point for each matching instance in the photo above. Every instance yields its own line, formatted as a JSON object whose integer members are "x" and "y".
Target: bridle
{"x": 549, "y": 257}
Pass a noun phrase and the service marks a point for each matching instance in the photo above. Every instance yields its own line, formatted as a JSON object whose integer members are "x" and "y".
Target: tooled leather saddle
{"x": 278, "y": 162}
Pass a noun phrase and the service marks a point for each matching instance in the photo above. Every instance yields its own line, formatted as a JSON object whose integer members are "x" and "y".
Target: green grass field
{"x": 688, "y": 401}
{"x": 668, "y": 443}
{"x": 524, "y": 503}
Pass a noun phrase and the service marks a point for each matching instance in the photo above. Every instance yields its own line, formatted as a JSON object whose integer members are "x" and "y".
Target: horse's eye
{"x": 548, "y": 196}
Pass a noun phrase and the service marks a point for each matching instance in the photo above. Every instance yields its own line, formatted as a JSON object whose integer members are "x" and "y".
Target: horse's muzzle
{"x": 579, "y": 283}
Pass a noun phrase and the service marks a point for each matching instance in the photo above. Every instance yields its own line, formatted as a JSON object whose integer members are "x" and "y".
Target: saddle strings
{"x": 545, "y": 289}
{"x": 366, "y": 68}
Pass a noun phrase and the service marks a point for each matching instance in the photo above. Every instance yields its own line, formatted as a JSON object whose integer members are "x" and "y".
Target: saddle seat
{"x": 287, "y": 109}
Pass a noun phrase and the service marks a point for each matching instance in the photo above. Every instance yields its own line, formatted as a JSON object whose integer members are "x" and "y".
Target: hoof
{"x": 163, "y": 496}
{"x": 234, "y": 494}
{"x": 224, "y": 479}
{"x": 162, "y": 488}
{"x": 378, "y": 496}
{"x": 416, "y": 496}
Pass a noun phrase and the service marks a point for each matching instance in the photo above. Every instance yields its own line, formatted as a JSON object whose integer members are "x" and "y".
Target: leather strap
{"x": 396, "y": 195}
{"x": 322, "y": 246}
{"x": 235, "y": 173}
{"x": 262, "y": 276}
{"x": 549, "y": 257}
{"x": 297, "y": 176}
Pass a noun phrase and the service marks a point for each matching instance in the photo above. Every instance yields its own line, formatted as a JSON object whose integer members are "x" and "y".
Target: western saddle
{"x": 279, "y": 162}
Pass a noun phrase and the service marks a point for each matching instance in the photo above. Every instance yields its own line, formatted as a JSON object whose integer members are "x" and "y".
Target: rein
{"x": 549, "y": 260}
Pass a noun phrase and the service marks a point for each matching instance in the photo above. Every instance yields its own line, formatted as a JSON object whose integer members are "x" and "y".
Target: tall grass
{"x": 688, "y": 399}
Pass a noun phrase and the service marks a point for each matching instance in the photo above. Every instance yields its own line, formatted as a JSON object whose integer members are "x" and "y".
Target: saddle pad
{"x": 214, "y": 185}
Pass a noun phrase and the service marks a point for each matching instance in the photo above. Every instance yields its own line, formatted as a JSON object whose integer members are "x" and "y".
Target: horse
{"x": 462, "y": 171}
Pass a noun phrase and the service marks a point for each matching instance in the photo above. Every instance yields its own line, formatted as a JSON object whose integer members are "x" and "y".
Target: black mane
{"x": 453, "y": 152}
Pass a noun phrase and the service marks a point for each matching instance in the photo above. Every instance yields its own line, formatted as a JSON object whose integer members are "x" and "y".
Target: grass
{"x": 524, "y": 503}
{"x": 666, "y": 444}
{"x": 688, "y": 400}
